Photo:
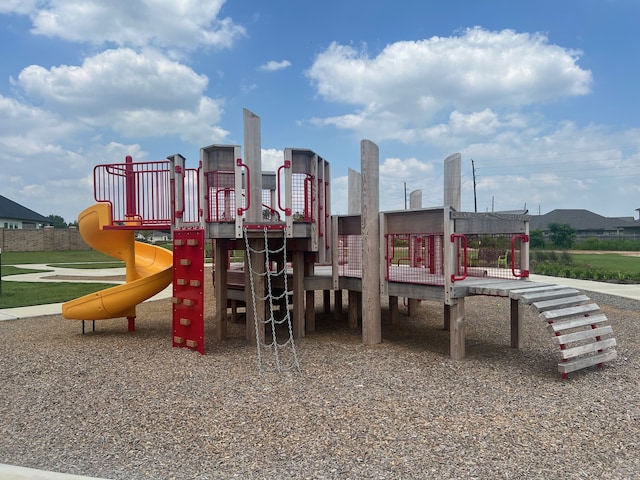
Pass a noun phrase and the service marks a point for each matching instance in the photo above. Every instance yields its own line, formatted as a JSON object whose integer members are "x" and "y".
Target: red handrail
{"x": 287, "y": 164}
{"x": 462, "y": 237}
{"x": 248, "y": 189}
{"x": 523, "y": 239}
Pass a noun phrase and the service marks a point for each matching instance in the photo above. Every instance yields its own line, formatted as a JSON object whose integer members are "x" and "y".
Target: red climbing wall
{"x": 188, "y": 289}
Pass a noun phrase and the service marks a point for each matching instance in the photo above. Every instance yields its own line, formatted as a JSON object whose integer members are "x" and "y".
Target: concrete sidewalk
{"x": 619, "y": 290}
{"x": 13, "y": 472}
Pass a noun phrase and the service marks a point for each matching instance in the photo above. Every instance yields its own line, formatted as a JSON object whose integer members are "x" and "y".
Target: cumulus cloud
{"x": 135, "y": 94}
{"x": 410, "y": 83}
{"x": 273, "y": 66}
{"x": 182, "y": 24}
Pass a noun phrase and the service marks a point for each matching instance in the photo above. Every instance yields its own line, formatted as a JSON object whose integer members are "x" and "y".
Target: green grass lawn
{"x": 609, "y": 261}
{"x": 23, "y": 294}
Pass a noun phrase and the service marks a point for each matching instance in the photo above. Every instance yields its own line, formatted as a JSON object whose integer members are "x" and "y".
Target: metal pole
{"x": 475, "y": 201}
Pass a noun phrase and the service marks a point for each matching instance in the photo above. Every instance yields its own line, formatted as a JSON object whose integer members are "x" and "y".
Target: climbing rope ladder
{"x": 283, "y": 355}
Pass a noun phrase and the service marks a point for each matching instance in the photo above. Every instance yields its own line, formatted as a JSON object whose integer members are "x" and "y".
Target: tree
{"x": 536, "y": 239}
{"x": 562, "y": 234}
{"x": 58, "y": 221}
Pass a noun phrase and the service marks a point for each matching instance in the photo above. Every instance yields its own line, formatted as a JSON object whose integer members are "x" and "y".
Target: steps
{"x": 582, "y": 333}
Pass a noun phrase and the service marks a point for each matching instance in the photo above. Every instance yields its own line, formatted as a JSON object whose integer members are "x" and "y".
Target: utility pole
{"x": 475, "y": 200}
{"x": 405, "y": 195}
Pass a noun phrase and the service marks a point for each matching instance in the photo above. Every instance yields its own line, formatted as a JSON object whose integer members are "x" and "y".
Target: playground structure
{"x": 294, "y": 247}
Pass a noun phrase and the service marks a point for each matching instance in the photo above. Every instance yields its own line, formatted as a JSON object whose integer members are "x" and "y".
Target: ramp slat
{"x": 530, "y": 298}
{"x": 579, "y": 363}
{"x": 588, "y": 348}
{"x": 559, "y": 303}
{"x": 583, "y": 335}
{"x": 570, "y": 312}
{"x": 577, "y": 322}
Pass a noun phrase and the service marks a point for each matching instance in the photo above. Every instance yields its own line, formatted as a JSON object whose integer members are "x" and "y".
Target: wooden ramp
{"x": 579, "y": 328}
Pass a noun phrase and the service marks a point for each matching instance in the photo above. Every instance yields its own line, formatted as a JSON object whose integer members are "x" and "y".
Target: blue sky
{"x": 541, "y": 95}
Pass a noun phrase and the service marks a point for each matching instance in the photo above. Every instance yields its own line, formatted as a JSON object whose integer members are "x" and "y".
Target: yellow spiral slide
{"x": 149, "y": 269}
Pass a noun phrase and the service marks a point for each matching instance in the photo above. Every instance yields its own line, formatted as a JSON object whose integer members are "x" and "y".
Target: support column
{"x": 310, "y": 304}
{"x": 353, "y": 309}
{"x": 393, "y": 309}
{"x": 337, "y": 304}
{"x": 371, "y": 305}
{"x": 517, "y": 313}
{"x": 220, "y": 287}
{"x": 298, "y": 293}
{"x": 258, "y": 266}
{"x": 457, "y": 336}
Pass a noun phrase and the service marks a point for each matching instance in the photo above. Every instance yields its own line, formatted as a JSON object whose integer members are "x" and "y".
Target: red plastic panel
{"x": 188, "y": 289}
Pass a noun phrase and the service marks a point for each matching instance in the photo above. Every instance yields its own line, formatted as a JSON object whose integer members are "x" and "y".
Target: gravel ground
{"x": 127, "y": 406}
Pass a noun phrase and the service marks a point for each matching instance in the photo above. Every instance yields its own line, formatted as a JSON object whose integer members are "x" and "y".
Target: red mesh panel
{"x": 222, "y": 196}
{"x": 301, "y": 197}
{"x": 491, "y": 256}
{"x": 415, "y": 258}
{"x": 350, "y": 255}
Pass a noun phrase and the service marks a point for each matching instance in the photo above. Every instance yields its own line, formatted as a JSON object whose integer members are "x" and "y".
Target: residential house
{"x": 588, "y": 224}
{"x": 15, "y": 216}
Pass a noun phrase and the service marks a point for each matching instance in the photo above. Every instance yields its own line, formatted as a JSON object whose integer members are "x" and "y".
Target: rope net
{"x": 274, "y": 355}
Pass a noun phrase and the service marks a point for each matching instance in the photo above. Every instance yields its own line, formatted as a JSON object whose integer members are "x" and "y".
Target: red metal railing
{"x": 140, "y": 194}
{"x": 191, "y": 208}
{"x": 521, "y": 239}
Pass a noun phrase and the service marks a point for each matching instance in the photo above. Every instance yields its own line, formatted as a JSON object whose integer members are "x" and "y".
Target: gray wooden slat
{"x": 579, "y": 363}
{"x": 570, "y": 312}
{"x": 497, "y": 287}
{"x": 588, "y": 348}
{"x": 583, "y": 335}
{"x": 535, "y": 287}
{"x": 560, "y": 303}
{"x": 529, "y": 298}
{"x": 569, "y": 323}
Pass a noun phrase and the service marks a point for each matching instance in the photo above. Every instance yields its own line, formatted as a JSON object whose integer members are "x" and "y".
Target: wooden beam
{"x": 220, "y": 287}
{"x": 517, "y": 313}
{"x": 457, "y": 335}
{"x": 298, "y": 293}
{"x": 371, "y": 305}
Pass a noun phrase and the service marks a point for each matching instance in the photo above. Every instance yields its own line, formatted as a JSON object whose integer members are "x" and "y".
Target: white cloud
{"x": 273, "y": 66}
{"x": 409, "y": 83}
{"x": 182, "y": 24}
{"x": 134, "y": 94}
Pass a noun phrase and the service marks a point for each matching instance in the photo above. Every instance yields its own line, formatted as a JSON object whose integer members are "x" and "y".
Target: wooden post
{"x": 337, "y": 304}
{"x": 298, "y": 293}
{"x": 326, "y": 301}
{"x": 452, "y": 200}
{"x": 253, "y": 159}
{"x": 517, "y": 314}
{"x": 353, "y": 192}
{"x": 353, "y": 309}
{"x": 258, "y": 266}
{"x": 457, "y": 335}
{"x": 393, "y": 309}
{"x": 220, "y": 287}
{"x": 371, "y": 307}
{"x": 310, "y": 303}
